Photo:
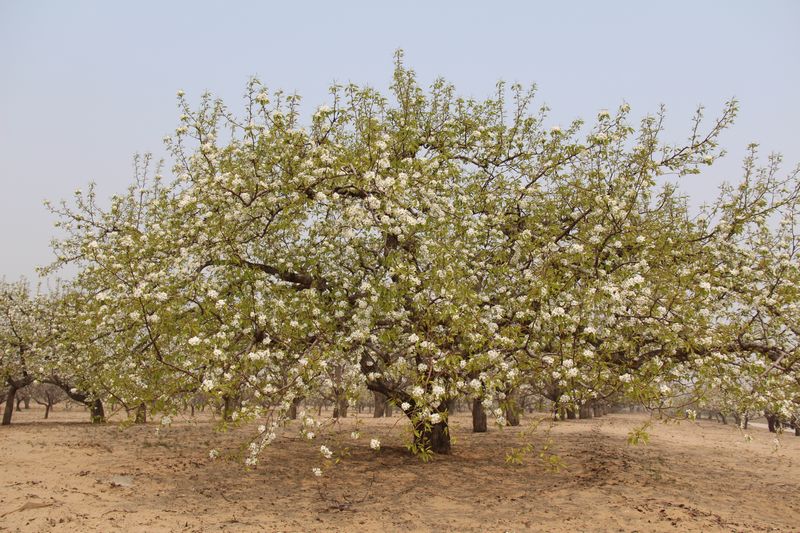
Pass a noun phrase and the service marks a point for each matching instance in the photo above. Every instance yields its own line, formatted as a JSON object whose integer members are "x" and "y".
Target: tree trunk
{"x": 19, "y": 402}
{"x": 570, "y": 413}
{"x": 436, "y": 438}
{"x": 340, "y": 408}
{"x": 9, "y": 410}
{"x": 293, "y": 408}
{"x": 47, "y": 411}
{"x": 512, "y": 411}
{"x": 141, "y": 414}
{"x": 771, "y": 423}
{"x": 98, "y": 413}
{"x": 27, "y": 402}
{"x": 478, "y": 417}
{"x": 585, "y": 411}
{"x": 380, "y": 405}
{"x": 227, "y": 408}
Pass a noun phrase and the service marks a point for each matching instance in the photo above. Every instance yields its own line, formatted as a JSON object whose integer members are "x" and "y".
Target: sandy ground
{"x": 67, "y": 475}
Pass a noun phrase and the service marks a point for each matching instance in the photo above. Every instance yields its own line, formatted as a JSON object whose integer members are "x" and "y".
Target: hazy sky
{"x": 85, "y": 85}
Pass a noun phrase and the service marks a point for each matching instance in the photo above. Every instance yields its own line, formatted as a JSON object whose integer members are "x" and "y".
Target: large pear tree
{"x": 429, "y": 247}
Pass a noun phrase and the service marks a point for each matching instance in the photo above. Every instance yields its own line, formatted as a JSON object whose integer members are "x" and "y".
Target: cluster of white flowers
{"x": 325, "y": 451}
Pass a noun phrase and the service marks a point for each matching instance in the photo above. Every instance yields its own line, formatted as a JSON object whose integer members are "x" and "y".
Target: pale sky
{"x": 85, "y": 85}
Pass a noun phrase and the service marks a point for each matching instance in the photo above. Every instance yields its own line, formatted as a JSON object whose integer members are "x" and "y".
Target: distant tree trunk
{"x": 586, "y": 411}
{"x": 19, "y": 402}
{"x": 478, "y": 417}
{"x": 512, "y": 410}
{"x": 27, "y": 402}
{"x": 380, "y": 405}
{"x": 98, "y": 413}
{"x": 141, "y": 414}
{"x": 340, "y": 408}
{"x": 293, "y": 408}
{"x": 597, "y": 410}
{"x": 9, "y": 410}
{"x": 724, "y": 419}
{"x": 227, "y": 408}
{"x": 47, "y": 408}
{"x": 570, "y": 413}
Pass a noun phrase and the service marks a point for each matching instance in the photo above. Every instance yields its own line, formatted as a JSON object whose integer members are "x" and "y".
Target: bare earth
{"x": 67, "y": 475}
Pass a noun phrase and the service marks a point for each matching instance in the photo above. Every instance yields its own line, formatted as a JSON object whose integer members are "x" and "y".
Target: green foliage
{"x": 639, "y": 435}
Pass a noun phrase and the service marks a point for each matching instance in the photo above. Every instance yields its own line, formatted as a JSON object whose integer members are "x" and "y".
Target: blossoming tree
{"x": 428, "y": 247}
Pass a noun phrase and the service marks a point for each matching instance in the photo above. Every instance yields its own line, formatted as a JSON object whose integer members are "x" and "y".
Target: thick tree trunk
{"x": 141, "y": 414}
{"x": 771, "y": 423}
{"x": 436, "y": 438}
{"x": 478, "y": 417}
{"x": 586, "y": 411}
{"x": 9, "y": 410}
{"x": 570, "y": 413}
